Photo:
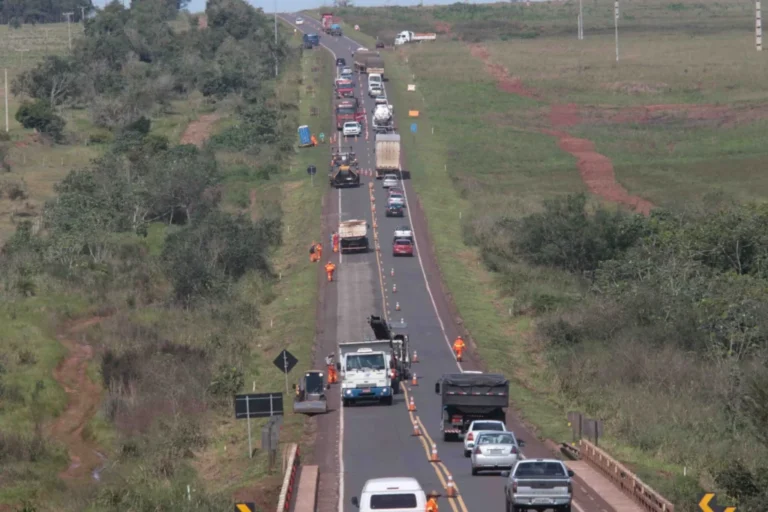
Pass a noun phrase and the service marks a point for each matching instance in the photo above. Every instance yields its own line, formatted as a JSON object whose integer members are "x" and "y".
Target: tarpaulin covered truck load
{"x": 353, "y": 236}
{"x": 467, "y": 397}
{"x": 387, "y": 150}
{"x": 367, "y": 61}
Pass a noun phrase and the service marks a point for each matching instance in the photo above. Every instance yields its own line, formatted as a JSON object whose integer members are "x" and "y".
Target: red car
{"x": 402, "y": 247}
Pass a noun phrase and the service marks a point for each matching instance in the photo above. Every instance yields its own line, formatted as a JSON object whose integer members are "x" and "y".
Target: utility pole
{"x": 6, "y": 101}
{"x": 758, "y": 27}
{"x": 581, "y": 22}
{"x": 69, "y": 28}
{"x": 616, "y": 24}
{"x": 82, "y": 14}
{"x": 275, "y": 38}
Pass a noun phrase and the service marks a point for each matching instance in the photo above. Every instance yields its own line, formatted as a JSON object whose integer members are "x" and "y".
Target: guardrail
{"x": 623, "y": 478}
{"x": 290, "y": 479}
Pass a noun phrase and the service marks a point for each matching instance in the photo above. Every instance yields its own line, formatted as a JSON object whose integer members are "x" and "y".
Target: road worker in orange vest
{"x": 335, "y": 241}
{"x": 432, "y": 502}
{"x": 333, "y": 377}
{"x": 313, "y": 256}
{"x": 329, "y": 269}
{"x": 458, "y": 348}
{"x": 319, "y": 251}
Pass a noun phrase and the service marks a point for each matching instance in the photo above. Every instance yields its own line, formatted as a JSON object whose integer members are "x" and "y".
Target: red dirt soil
{"x": 596, "y": 170}
{"x": 198, "y": 131}
{"x": 84, "y": 400}
{"x": 442, "y": 27}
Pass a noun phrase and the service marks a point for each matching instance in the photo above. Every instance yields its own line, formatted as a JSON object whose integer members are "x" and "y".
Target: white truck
{"x": 406, "y": 36}
{"x": 353, "y": 236}
{"x": 365, "y": 370}
{"x": 387, "y": 154}
{"x": 383, "y": 122}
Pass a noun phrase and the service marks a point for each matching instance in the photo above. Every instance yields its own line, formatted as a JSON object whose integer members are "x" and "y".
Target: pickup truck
{"x": 539, "y": 484}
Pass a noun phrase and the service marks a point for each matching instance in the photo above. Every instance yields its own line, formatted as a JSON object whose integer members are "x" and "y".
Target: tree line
{"x": 18, "y": 12}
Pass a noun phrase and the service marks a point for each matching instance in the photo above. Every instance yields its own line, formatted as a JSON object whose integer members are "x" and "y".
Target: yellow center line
{"x": 428, "y": 442}
{"x": 427, "y": 445}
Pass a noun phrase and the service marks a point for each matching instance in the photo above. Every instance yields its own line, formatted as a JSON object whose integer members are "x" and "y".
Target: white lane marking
{"x": 421, "y": 265}
{"x": 341, "y": 405}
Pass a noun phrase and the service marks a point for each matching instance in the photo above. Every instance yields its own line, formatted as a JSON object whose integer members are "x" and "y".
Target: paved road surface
{"x": 376, "y": 440}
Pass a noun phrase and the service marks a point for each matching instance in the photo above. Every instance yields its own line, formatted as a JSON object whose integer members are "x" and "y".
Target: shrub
{"x": 39, "y": 115}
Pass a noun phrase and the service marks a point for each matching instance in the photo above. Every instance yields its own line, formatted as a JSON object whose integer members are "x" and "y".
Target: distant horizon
{"x": 198, "y": 6}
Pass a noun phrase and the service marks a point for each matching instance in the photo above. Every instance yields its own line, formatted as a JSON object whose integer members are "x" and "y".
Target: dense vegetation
{"x": 17, "y": 12}
{"x": 140, "y": 235}
{"x": 669, "y": 340}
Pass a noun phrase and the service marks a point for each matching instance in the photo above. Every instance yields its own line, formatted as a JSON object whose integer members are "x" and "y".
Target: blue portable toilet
{"x": 305, "y": 136}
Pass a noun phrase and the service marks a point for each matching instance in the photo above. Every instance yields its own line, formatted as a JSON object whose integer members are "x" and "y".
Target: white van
{"x": 375, "y": 78}
{"x": 396, "y": 494}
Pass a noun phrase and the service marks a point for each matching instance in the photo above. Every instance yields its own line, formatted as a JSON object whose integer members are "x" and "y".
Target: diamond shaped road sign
{"x": 285, "y": 361}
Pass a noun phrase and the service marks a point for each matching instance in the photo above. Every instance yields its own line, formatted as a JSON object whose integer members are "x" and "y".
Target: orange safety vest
{"x": 458, "y": 345}
{"x": 330, "y": 268}
{"x": 432, "y": 505}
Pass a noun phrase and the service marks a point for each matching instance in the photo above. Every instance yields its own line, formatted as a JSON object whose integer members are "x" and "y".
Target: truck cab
{"x": 311, "y": 40}
{"x": 375, "y": 79}
{"x": 365, "y": 372}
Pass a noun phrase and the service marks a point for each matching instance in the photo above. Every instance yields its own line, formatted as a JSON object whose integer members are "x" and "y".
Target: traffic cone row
{"x": 414, "y": 380}
{"x": 397, "y": 306}
{"x": 411, "y": 405}
{"x": 392, "y": 272}
{"x": 415, "y": 358}
{"x": 394, "y": 288}
{"x": 416, "y": 431}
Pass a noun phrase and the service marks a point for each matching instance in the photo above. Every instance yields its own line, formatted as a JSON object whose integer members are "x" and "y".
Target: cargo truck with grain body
{"x": 467, "y": 397}
{"x": 367, "y": 61}
{"x": 387, "y": 150}
{"x": 353, "y": 236}
{"x": 326, "y": 20}
{"x": 348, "y": 110}
{"x": 364, "y": 368}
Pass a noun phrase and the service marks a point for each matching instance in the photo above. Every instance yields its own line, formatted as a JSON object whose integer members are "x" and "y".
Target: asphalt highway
{"x": 376, "y": 440}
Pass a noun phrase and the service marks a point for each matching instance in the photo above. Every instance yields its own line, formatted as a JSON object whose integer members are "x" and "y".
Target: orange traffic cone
{"x": 414, "y": 380}
{"x": 411, "y": 405}
{"x": 397, "y": 306}
{"x": 450, "y": 489}
{"x": 416, "y": 431}
{"x": 392, "y": 272}
{"x": 434, "y": 457}
{"x": 415, "y": 357}
{"x": 394, "y": 288}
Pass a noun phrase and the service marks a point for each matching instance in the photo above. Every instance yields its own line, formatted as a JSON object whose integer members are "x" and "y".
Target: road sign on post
{"x": 414, "y": 128}
{"x": 257, "y": 405}
{"x": 285, "y": 362}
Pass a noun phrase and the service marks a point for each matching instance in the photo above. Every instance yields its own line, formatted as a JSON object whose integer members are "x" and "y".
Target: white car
{"x": 398, "y": 494}
{"x": 478, "y": 426}
{"x": 299, "y": 21}
{"x": 397, "y": 199}
{"x": 390, "y": 180}
{"x": 352, "y": 129}
{"x": 374, "y": 91}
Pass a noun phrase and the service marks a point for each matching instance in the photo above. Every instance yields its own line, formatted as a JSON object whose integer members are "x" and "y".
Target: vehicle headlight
{"x": 349, "y": 391}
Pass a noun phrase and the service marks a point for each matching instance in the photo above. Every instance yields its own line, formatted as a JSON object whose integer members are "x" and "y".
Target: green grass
{"x": 288, "y": 319}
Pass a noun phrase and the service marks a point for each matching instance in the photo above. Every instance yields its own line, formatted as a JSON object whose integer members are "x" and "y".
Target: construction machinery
{"x": 401, "y": 349}
{"x": 310, "y": 394}
{"x": 344, "y": 169}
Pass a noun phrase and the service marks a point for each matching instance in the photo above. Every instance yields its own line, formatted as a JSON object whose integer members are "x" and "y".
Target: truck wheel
{"x": 446, "y": 437}
{"x": 566, "y": 508}
{"x": 467, "y": 453}
{"x": 474, "y": 472}
{"x": 345, "y": 402}
{"x": 395, "y": 387}
{"x": 387, "y": 400}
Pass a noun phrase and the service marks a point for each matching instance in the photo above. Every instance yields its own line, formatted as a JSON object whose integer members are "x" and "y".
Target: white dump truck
{"x": 383, "y": 121}
{"x": 366, "y": 375}
{"x": 406, "y": 36}
{"x": 387, "y": 154}
{"x": 353, "y": 236}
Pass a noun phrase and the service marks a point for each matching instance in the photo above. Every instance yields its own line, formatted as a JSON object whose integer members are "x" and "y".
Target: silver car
{"x": 390, "y": 180}
{"x": 495, "y": 451}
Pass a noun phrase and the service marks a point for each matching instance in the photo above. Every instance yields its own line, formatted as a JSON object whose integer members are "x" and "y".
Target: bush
{"x": 40, "y": 116}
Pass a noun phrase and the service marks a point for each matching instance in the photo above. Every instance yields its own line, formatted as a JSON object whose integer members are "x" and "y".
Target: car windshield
{"x": 402, "y": 242}
{"x": 390, "y": 177}
{"x": 393, "y": 501}
{"x": 488, "y": 426}
{"x": 351, "y": 126}
{"x": 540, "y": 469}
{"x": 395, "y": 195}
{"x": 365, "y": 362}
{"x": 345, "y": 110}
{"x": 505, "y": 438}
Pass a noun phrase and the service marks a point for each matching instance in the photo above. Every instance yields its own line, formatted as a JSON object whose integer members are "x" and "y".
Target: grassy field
{"x": 680, "y": 117}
